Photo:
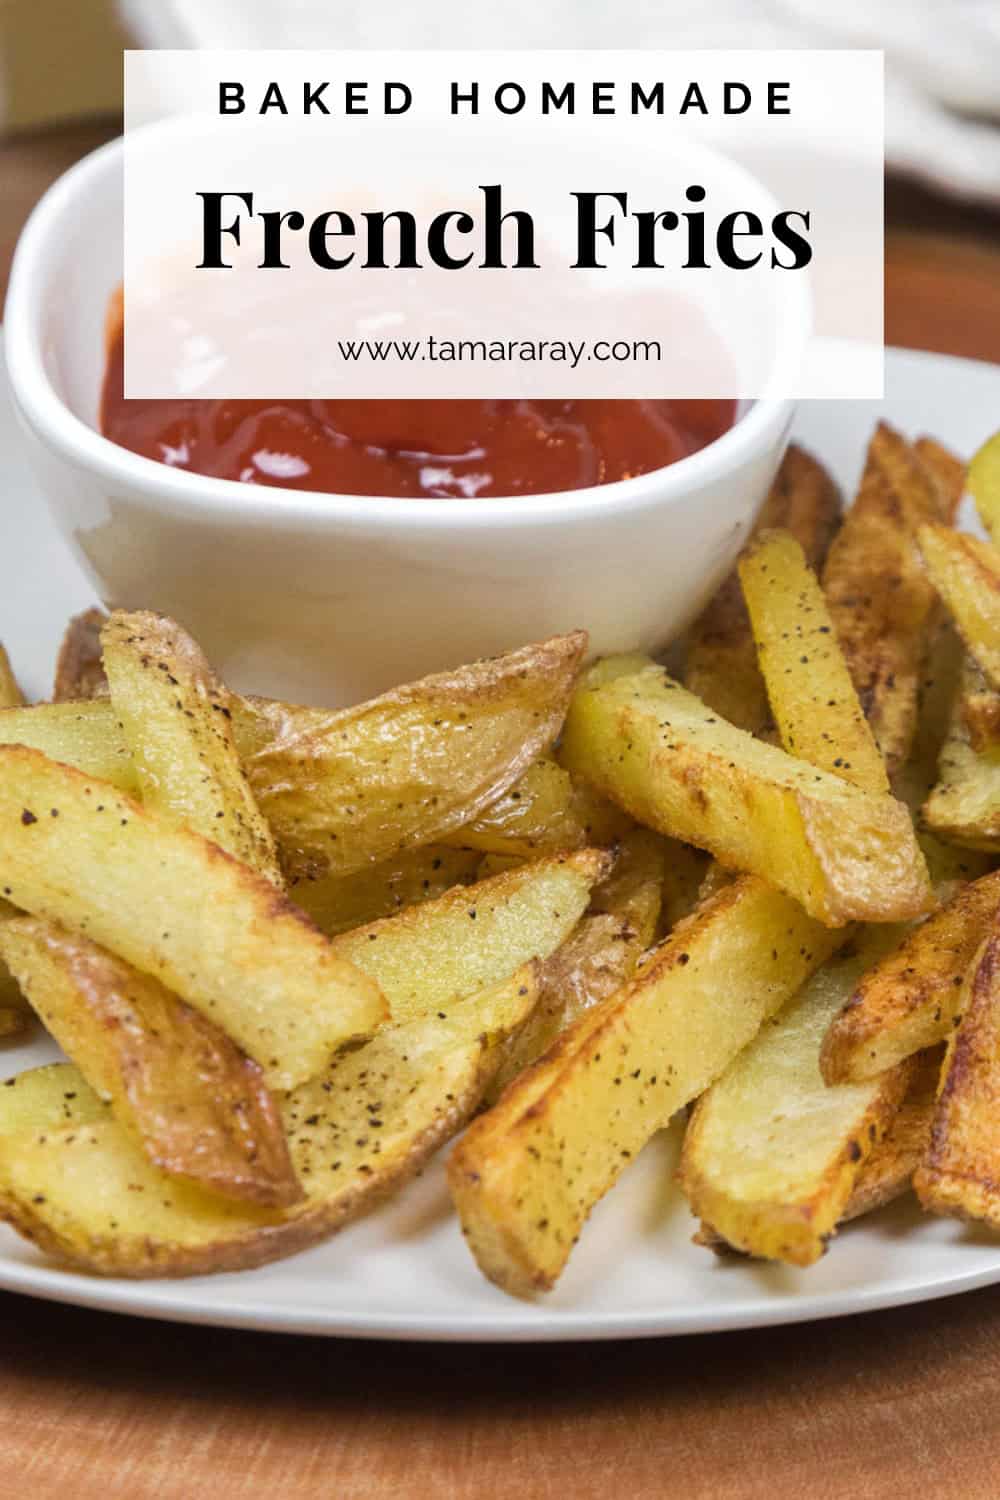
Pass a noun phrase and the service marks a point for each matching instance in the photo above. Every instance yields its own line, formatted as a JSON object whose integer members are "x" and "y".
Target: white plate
{"x": 404, "y": 1272}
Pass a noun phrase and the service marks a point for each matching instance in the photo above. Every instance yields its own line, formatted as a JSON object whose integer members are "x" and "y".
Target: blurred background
{"x": 60, "y": 95}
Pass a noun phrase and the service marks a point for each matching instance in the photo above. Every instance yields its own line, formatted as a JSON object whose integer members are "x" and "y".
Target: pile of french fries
{"x": 289, "y": 952}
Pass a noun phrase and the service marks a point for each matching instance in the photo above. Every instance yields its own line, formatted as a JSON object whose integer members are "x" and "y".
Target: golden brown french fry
{"x": 964, "y": 806}
{"x": 346, "y": 789}
{"x": 336, "y": 903}
{"x": 888, "y": 1171}
{"x": 966, "y": 573}
{"x": 79, "y": 669}
{"x": 771, "y": 1153}
{"x": 948, "y": 472}
{"x": 910, "y": 1000}
{"x": 176, "y": 719}
{"x": 48, "y": 1098}
{"x": 10, "y": 694}
{"x": 85, "y": 735}
{"x": 196, "y": 1107}
{"x": 670, "y": 762}
{"x": 958, "y": 1175}
{"x": 84, "y": 1193}
{"x": 809, "y": 687}
{"x": 538, "y": 814}
{"x": 984, "y": 483}
{"x": 75, "y": 850}
{"x": 883, "y": 605}
{"x": 721, "y": 665}
{"x": 527, "y": 1174}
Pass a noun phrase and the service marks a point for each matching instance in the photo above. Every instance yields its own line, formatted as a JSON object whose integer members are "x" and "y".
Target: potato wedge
{"x": 633, "y": 890}
{"x": 48, "y": 1098}
{"x": 430, "y": 956}
{"x": 949, "y": 473}
{"x": 79, "y": 668}
{"x": 882, "y": 604}
{"x": 964, "y": 806}
{"x": 984, "y": 484}
{"x": 175, "y": 716}
{"x": 195, "y": 1106}
{"x": 771, "y": 1153}
{"x": 966, "y": 573}
{"x": 77, "y": 851}
{"x": 809, "y": 687}
{"x": 10, "y": 694}
{"x": 958, "y": 1175}
{"x": 911, "y": 998}
{"x": 84, "y": 735}
{"x": 721, "y": 666}
{"x": 888, "y": 1171}
{"x": 526, "y": 1175}
{"x": 356, "y": 1133}
{"x": 337, "y": 903}
{"x": 346, "y": 789}
{"x": 674, "y": 765}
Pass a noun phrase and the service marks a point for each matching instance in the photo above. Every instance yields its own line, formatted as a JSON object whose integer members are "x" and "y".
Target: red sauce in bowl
{"x": 459, "y": 449}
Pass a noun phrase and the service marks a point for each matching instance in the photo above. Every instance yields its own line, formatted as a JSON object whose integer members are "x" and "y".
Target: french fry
{"x": 48, "y": 1098}
{"x": 882, "y": 604}
{"x": 888, "y": 1171}
{"x": 84, "y": 735}
{"x": 428, "y": 957}
{"x": 346, "y": 789}
{"x": 964, "y": 806}
{"x": 674, "y": 765}
{"x": 195, "y": 1106}
{"x": 176, "y": 718}
{"x": 771, "y": 1153}
{"x": 809, "y": 687}
{"x": 84, "y": 1193}
{"x": 527, "y": 1174}
{"x": 984, "y": 483}
{"x": 538, "y": 814}
{"x": 79, "y": 669}
{"x": 10, "y": 694}
{"x": 911, "y": 999}
{"x": 949, "y": 473}
{"x": 721, "y": 666}
{"x": 966, "y": 573}
{"x": 337, "y": 903}
{"x": 75, "y": 850}
{"x": 958, "y": 1175}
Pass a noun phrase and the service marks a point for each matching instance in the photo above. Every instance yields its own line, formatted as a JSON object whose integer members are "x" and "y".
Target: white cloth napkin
{"x": 942, "y": 56}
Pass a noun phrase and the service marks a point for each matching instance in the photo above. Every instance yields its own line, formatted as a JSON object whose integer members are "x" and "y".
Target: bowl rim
{"x": 181, "y": 492}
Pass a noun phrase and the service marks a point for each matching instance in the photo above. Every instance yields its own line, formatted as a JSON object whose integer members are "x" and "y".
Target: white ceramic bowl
{"x": 330, "y": 598}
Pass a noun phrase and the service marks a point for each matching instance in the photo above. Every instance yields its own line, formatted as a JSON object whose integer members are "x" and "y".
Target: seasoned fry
{"x": 888, "y": 1171}
{"x": 911, "y": 999}
{"x": 809, "y": 687}
{"x": 10, "y": 694}
{"x": 721, "y": 662}
{"x": 882, "y": 604}
{"x": 771, "y": 1153}
{"x": 48, "y": 1098}
{"x": 948, "y": 472}
{"x": 675, "y": 766}
{"x": 966, "y": 573}
{"x": 527, "y": 1174}
{"x": 359, "y": 1130}
{"x": 195, "y": 1106}
{"x": 538, "y": 813}
{"x": 175, "y": 716}
{"x": 336, "y": 903}
{"x": 85, "y": 735}
{"x": 964, "y": 806}
{"x": 429, "y": 956}
{"x": 633, "y": 891}
{"x": 75, "y": 850}
{"x": 346, "y": 789}
{"x": 79, "y": 669}
{"x": 958, "y": 1175}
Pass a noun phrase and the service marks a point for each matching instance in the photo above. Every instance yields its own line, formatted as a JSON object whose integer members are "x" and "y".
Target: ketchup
{"x": 459, "y": 449}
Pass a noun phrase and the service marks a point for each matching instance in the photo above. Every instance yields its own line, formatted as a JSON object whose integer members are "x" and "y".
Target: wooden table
{"x": 97, "y": 1407}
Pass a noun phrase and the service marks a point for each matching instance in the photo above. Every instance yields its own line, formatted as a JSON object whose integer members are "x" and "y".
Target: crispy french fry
{"x": 429, "y": 956}
{"x": 176, "y": 719}
{"x": 911, "y": 999}
{"x": 85, "y": 1194}
{"x": 948, "y": 472}
{"x": 966, "y": 573}
{"x": 195, "y": 1106}
{"x": 79, "y": 669}
{"x": 346, "y": 789}
{"x": 674, "y": 765}
{"x": 771, "y": 1153}
{"x": 964, "y": 806}
{"x": 888, "y": 1171}
{"x": 527, "y": 1174}
{"x": 882, "y": 604}
{"x": 721, "y": 661}
{"x": 336, "y": 903}
{"x": 958, "y": 1175}
{"x": 78, "y": 852}
{"x": 809, "y": 687}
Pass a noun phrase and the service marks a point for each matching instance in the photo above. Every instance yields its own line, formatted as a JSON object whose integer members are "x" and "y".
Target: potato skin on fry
{"x": 958, "y": 1176}
{"x": 195, "y": 1106}
{"x": 670, "y": 762}
{"x": 356, "y": 1133}
{"x": 964, "y": 805}
{"x": 911, "y": 999}
{"x": 79, "y": 668}
{"x": 346, "y": 789}
{"x": 78, "y": 852}
{"x": 526, "y": 1175}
